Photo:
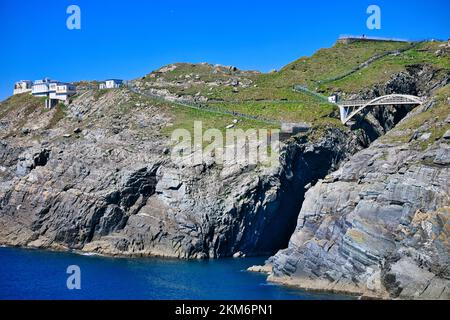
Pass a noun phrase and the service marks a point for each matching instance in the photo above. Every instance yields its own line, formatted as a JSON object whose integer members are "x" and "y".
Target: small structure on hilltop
{"x": 111, "y": 84}
{"x": 348, "y": 39}
{"x": 294, "y": 128}
{"x": 22, "y": 86}
{"x": 334, "y": 98}
{"x": 54, "y": 91}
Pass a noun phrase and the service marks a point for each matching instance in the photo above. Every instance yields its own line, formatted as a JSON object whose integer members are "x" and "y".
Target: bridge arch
{"x": 349, "y": 109}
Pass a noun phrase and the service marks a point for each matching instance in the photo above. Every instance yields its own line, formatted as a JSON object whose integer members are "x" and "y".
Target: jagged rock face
{"x": 380, "y": 225}
{"x": 150, "y": 207}
{"x": 419, "y": 80}
{"x": 102, "y": 181}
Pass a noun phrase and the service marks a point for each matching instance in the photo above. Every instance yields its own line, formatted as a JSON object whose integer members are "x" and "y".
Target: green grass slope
{"x": 271, "y": 95}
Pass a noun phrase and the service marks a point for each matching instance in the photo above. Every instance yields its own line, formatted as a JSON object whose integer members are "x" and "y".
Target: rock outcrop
{"x": 380, "y": 225}
{"x": 97, "y": 175}
{"x": 102, "y": 180}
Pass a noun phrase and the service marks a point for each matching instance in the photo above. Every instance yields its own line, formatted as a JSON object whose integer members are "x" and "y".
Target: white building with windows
{"x": 64, "y": 91}
{"x": 111, "y": 84}
{"x": 22, "y": 86}
{"x": 43, "y": 88}
{"x": 53, "y": 90}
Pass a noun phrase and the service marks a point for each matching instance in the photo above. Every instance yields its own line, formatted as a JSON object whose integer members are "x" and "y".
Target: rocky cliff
{"x": 379, "y": 226}
{"x": 100, "y": 179}
{"x": 97, "y": 175}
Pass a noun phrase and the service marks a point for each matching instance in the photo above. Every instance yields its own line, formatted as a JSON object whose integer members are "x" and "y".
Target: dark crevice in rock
{"x": 307, "y": 166}
{"x": 94, "y": 223}
{"x": 417, "y": 80}
{"x": 41, "y": 158}
{"x": 32, "y": 159}
{"x": 379, "y": 120}
{"x": 383, "y": 245}
{"x": 303, "y": 163}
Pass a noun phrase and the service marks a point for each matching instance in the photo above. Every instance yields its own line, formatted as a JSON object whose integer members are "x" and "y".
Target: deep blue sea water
{"x": 36, "y": 274}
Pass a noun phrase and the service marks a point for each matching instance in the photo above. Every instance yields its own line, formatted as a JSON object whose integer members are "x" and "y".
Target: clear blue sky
{"x": 128, "y": 39}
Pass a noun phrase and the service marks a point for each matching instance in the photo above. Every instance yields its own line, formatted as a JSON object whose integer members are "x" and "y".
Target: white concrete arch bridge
{"x": 348, "y": 109}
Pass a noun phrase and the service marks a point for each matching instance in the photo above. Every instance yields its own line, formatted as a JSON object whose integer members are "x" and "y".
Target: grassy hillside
{"x": 431, "y": 121}
{"x": 17, "y": 110}
{"x": 183, "y": 117}
{"x": 272, "y": 96}
{"x": 268, "y": 96}
{"x": 380, "y": 71}
{"x": 21, "y": 102}
{"x": 329, "y": 63}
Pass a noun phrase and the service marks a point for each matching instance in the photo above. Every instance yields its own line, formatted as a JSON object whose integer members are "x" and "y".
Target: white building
{"x": 111, "y": 83}
{"x": 53, "y": 90}
{"x": 22, "y": 86}
{"x": 334, "y": 98}
{"x": 43, "y": 88}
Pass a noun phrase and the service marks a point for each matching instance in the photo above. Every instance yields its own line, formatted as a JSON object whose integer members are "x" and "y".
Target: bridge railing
{"x": 348, "y": 109}
{"x": 203, "y": 106}
{"x": 384, "y": 100}
{"x": 304, "y": 89}
{"x": 352, "y": 103}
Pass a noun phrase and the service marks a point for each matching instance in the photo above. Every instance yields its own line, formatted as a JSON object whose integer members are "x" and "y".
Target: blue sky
{"x": 128, "y": 39}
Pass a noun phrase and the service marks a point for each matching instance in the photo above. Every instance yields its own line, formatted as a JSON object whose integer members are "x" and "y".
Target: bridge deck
{"x": 395, "y": 100}
{"x": 349, "y": 109}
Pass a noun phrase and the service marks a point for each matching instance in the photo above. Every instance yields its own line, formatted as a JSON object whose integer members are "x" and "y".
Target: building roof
{"x": 45, "y": 80}
{"x": 52, "y": 81}
{"x": 371, "y": 38}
